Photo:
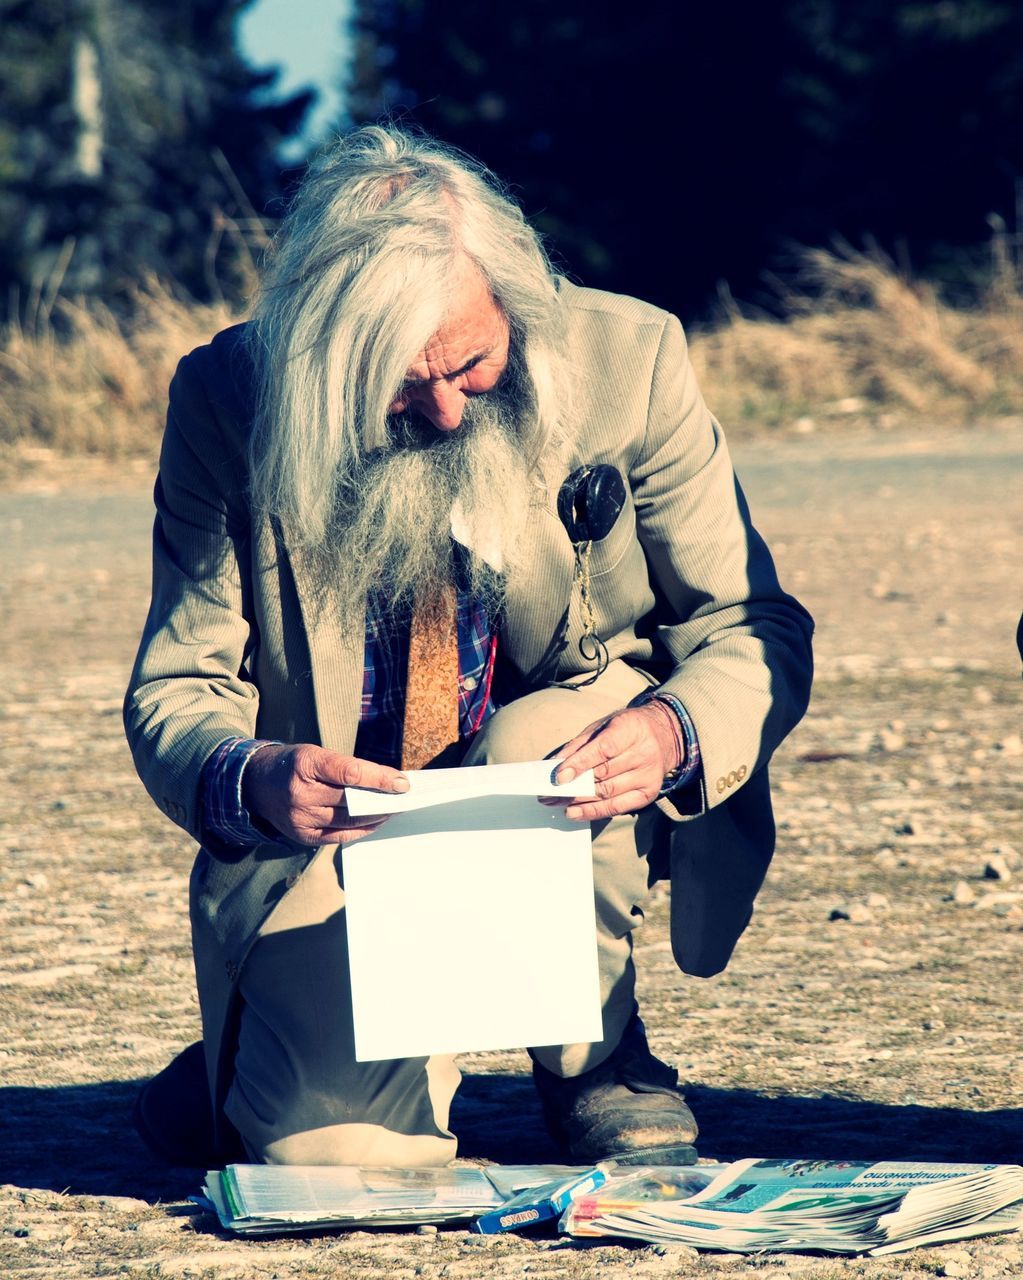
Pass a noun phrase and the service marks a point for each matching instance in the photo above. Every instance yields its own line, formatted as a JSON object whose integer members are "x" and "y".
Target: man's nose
{"x": 441, "y": 403}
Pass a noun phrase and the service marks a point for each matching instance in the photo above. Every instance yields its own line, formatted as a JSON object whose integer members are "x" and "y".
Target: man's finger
{"x": 346, "y": 834}
{"x": 335, "y": 817}
{"x": 633, "y": 760}
{"x": 595, "y": 810}
{"x": 334, "y": 826}
{"x": 602, "y": 749}
{"x": 643, "y": 781}
{"x": 612, "y": 775}
{"x": 351, "y": 771}
{"x": 568, "y": 749}
{"x": 339, "y": 835}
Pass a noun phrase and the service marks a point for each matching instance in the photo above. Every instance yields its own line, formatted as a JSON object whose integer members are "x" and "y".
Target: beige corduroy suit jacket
{"x": 683, "y": 587}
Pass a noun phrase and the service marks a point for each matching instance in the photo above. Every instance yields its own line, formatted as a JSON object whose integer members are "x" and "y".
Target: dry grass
{"x": 78, "y": 380}
{"x": 864, "y": 341}
{"x": 859, "y": 342}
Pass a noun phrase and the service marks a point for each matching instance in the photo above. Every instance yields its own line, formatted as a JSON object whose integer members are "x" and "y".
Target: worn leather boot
{"x": 629, "y": 1108}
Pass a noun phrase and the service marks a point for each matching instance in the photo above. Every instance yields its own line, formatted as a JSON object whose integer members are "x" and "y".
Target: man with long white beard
{"x": 360, "y": 567}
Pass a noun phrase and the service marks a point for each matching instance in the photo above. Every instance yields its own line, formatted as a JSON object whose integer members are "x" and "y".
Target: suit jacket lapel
{"x": 539, "y": 594}
{"x": 336, "y": 655}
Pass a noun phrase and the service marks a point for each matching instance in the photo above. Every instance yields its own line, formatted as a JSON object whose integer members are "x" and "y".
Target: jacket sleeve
{"x": 189, "y": 688}
{"x": 738, "y": 645}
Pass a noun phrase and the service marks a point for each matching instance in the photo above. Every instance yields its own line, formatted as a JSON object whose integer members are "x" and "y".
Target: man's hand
{"x": 630, "y": 752}
{"x": 300, "y": 791}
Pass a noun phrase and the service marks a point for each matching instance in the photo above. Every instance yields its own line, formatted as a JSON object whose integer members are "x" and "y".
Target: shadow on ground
{"x": 497, "y": 1117}
{"x": 79, "y": 1138}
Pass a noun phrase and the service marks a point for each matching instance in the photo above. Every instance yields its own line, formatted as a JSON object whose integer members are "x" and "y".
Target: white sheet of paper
{"x": 471, "y": 923}
{"x": 443, "y": 786}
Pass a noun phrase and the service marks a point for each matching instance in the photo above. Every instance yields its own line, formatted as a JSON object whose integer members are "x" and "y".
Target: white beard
{"x": 392, "y": 529}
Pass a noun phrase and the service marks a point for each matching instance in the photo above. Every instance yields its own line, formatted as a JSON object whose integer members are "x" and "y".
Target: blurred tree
{"x": 599, "y": 116}
{"x": 664, "y": 147}
{"x": 129, "y": 135}
{"x": 909, "y": 115}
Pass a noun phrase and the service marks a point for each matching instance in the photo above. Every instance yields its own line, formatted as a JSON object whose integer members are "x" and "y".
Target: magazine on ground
{"x": 254, "y": 1199}
{"x": 832, "y": 1206}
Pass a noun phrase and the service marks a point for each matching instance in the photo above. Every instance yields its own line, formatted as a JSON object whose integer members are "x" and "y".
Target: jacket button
{"x": 232, "y": 970}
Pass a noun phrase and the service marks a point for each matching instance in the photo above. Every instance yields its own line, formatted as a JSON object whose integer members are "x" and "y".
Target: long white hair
{"x": 358, "y": 280}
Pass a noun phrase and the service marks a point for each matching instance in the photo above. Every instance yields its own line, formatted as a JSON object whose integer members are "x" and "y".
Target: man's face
{"x": 467, "y": 356}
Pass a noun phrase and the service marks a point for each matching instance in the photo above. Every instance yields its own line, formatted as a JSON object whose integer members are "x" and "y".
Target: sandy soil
{"x": 872, "y": 1009}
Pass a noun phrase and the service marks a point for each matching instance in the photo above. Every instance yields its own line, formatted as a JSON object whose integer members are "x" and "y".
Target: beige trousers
{"x": 299, "y": 1096}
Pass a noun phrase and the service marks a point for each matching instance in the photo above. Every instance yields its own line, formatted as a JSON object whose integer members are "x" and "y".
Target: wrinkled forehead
{"x": 473, "y": 327}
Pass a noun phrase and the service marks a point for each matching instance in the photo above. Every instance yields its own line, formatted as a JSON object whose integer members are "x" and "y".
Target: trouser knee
{"x": 535, "y": 725}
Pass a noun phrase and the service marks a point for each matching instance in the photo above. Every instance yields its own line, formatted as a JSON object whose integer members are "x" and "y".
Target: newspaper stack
{"x": 252, "y": 1199}
{"x": 847, "y": 1206}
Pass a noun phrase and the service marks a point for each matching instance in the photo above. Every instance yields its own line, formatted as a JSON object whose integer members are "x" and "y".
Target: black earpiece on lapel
{"x": 590, "y": 501}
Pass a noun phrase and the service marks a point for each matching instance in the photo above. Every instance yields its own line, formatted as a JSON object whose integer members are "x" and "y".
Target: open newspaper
{"x": 835, "y": 1206}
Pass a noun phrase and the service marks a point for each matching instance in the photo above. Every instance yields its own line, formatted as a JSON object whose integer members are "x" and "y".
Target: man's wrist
{"x": 225, "y": 814}
{"x": 677, "y": 751}
{"x": 682, "y": 726}
{"x": 257, "y": 768}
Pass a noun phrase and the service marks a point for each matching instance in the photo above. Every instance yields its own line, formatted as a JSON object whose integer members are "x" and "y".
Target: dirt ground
{"x": 872, "y": 1009}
